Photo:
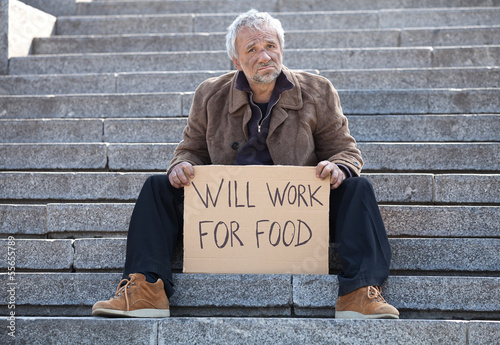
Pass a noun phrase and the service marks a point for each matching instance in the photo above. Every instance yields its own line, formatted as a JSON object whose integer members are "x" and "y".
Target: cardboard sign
{"x": 256, "y": 219}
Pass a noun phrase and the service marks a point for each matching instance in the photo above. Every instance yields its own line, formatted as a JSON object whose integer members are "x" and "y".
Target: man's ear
{"x": 236, "y": 63}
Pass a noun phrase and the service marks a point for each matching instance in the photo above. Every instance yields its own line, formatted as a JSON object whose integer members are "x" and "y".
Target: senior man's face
{"x": 259, "y": 54}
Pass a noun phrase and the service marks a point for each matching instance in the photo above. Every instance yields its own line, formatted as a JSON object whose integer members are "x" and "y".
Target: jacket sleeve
{"x": 332, "y": 136}
{"x": 193, "y": 146}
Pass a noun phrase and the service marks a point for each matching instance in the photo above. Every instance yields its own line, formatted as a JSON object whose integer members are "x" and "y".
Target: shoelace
{"x": 122, "y": 289}
{"x": 375, "y": 293}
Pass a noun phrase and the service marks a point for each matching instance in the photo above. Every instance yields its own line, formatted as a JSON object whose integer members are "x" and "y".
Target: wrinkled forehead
{"x": 248, "y": 35}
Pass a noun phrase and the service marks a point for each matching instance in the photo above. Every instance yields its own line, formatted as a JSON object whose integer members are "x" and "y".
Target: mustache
{"x": 270, "y": 63}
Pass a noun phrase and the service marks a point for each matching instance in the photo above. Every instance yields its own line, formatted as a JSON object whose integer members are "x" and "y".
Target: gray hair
{"x": 256, "y": 20}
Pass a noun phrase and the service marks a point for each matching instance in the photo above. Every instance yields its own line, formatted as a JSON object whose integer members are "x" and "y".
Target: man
{"x": 261, "y": 114}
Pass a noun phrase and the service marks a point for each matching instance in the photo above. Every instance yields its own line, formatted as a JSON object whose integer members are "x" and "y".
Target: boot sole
{"x": 145, "y": 313}
{"x": 356, "y": 315}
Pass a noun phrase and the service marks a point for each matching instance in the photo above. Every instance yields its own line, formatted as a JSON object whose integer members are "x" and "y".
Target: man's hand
{"x": 181, "y": 174}
{"x": 326, "y": 168}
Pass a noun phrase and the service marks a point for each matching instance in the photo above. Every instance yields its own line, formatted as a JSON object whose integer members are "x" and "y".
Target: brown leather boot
{"x": 365, "y": 303}
{"x": 136, "y": 298}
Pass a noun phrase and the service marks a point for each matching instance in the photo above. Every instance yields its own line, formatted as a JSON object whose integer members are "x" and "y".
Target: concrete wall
{"x": 26, "y": 23}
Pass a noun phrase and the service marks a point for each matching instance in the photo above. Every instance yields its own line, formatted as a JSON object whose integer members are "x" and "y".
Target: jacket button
{"x": 235, "y": 145}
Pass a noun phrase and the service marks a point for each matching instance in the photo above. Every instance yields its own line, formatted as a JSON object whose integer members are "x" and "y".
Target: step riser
{"x": 404, "y": 188}
{"x": 260, "y": 331}
{"x": 310, "y": 295}
{"x": 155, "y": 157}
{"x": 369, "y": 102}
{"x": 294, "y": 40}
{"x": 189, "y": 23}
{"x": 389, "y": 128}
{"x": 322, "y": 59}
{"x": 188, "y": 81}
{"x": 158, "y": 7}
{"x": 408, "y": 255}
{"x": 112, "y": 220}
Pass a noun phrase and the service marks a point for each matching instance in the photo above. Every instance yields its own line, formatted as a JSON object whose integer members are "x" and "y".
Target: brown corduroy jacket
{"x": 307, "y": 125}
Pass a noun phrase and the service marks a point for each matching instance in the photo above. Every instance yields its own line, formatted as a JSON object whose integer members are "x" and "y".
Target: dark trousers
{"x": 356, "y": 229}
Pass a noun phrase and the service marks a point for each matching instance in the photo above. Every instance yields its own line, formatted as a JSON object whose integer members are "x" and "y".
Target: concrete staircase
{"x": 100, "y": 106}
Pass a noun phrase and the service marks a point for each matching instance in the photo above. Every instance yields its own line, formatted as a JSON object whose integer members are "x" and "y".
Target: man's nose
{"x": 264, "y": 56}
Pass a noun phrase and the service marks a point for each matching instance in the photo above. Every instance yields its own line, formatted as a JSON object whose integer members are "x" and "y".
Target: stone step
{"x": 256, "y": 295}
{"x": 474, "y": 35}
{"x": 327, "y": 58}
{"x": 383, "y": 157}
{"x": 197, "y": 6}
{"x": 365, "y": 128}
{"x": 247, "y": 330}
{"x": 320, "y": 20}
{"x": 77, "y": 220}
{"x": 114, "y": 186}
{"x": 354, "y": 102}
{"x": 144, "y": 82}
{"x": 409, "y": 255}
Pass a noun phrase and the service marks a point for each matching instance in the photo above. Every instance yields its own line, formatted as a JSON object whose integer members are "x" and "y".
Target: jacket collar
{"x": 287, "y": 85}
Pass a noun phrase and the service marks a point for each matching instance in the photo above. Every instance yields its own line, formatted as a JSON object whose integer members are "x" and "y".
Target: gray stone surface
{"x": 402, "y": 187}
{"x": 414, "y": 78}
{"x": 52, "y": 131}
{"x": 141, "y": 156}
{"x": 119, "y": 62}
{"x": 212, "y": 22}
{"x": 438, "y": 17}
{"x": 308, "y": 331}
{"x": 300, "y": 39}
{"x": 248, "y": 331}
{"x": 193, "y": 290}
{"x": 155, "y": 7}
{"x": 91, "y": 106}
{"x": 113, "y": 218}
{"x": 89, "y": 331}
{"x": 409, "y": 254}
{"x": 71, "y": 186}
{"x": 433, "y": 128}
{"x": 4, "y": 37}
{"x": 357, "y": 58}
{"x": 324, "y": 58}
{"x": 122, "y": 43}
{"x": 431, "y": 156}
{"x": 404, "y": 292}
{"x": 54, "y": 7}
{"x": 484, "y": 333}
{"x": 179, "y": 81}
{"x": 451, "y": 36}
{"x": 53, "y": 156}
{"x": 232, "y": 290}
{"x": 126, "y": 186}
{"x": 33, "y": 254}
{"x": 441, "y": 221}
{"x": 448, "y": 254}
{"x": 312, "y": 295}
{"x": 467, "y": 188}
{"x": 143, "y": 130}
{"x": 87, "y": 218}
{"x": 423, "y": 101}
{"x": 100, "y": 254}
{"x": 56, "y": 84}
{"x": 468, "y": 56}
{"x": 19, "y": 220}
{"x": 121, "y": 25}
